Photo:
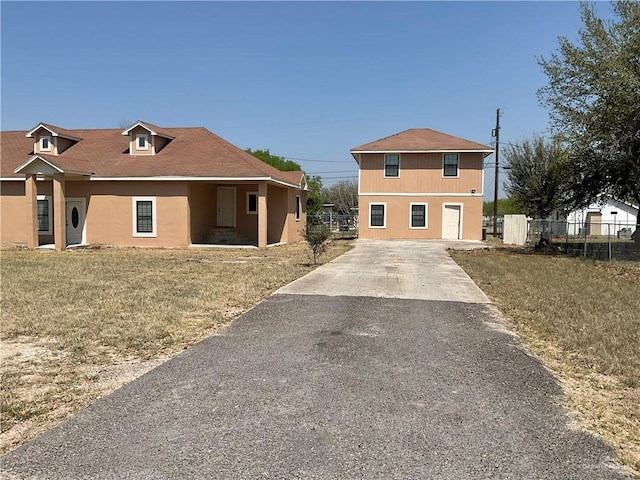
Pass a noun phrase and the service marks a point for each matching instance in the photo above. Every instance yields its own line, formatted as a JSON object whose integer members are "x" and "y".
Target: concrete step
{"x": 227, "y": 236}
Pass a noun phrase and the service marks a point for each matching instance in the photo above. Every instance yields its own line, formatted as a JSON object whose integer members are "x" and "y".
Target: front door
{"x": 226, "y": 206}
{"x": 75, "y": 221}
{"x": 451, "y": 222}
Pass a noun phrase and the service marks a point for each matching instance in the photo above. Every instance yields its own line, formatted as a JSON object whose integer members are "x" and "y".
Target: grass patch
{"x": 76, "y": 325}
{"x": 582, "y": 317}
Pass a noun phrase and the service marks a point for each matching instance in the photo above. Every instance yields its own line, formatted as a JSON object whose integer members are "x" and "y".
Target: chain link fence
{"x": 602, "y": 241}
{"x": 346, "y": 225}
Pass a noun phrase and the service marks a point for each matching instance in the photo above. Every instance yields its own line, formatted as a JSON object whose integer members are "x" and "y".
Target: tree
{"x": 594, "y": 98}
{"x": 314, "y": 183}
{"x": 280, "y": 163}
{"x": 506, "y": 206}
{"x": 315, "y": 199}
{"x": 344, "y": 197}
{"x": 534, "y": 176}
{"x": 316, "y": 237}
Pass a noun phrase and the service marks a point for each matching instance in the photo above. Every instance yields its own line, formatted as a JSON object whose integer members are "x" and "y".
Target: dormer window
{"x": 142, "y": 142}
{"x": 45, "y": 144}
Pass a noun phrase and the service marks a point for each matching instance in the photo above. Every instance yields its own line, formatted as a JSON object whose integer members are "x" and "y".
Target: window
{"x": 450, "y": 165}
{"x": 252, "y": 203}
{"x": 44, "y": 215}
{"x": 298, "y": 208}
{"x": 377, "y": 217}
{"x": 45, "y": 144}
{"x": 144, "y": 216}
{"x": 392, "y": 165}
{"x": 141, "y": 141}
{"x": 418, "y": 215}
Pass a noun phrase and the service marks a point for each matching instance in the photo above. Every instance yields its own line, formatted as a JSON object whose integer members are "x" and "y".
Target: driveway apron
{"x": 387, "y": 363}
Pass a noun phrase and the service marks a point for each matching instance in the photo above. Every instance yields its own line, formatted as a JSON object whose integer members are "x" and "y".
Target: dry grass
{"x": 78, "y": 324}
{"x": 582, "y": 317}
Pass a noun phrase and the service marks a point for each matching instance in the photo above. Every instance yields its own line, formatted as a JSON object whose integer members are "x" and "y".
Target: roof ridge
{"x": 255, "y": 161}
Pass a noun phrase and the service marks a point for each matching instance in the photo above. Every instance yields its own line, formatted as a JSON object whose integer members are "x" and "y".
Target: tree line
{"x": 343, "y": 195}
{"x": 593, "y": 95}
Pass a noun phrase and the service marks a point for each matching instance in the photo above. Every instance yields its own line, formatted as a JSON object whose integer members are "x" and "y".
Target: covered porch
{"x": 254, "y": 213}
{"x": 54, "y": 219}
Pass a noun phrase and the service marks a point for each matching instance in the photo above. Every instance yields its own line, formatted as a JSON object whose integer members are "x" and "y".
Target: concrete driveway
{"x": 387, "y": 363}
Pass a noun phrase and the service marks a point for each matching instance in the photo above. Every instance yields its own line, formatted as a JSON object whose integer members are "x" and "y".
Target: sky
{"x": 307, "y": 80}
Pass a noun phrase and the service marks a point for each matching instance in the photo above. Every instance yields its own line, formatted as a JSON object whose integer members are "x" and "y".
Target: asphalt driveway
{"x": 338, "y": 375}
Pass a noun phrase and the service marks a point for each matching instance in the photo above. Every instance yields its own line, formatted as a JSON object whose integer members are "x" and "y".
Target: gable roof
{"x": 54, "y": 131}
{"x": 62, "y": 165}
{"x": 424, "y": 140}
{"x": 194, "y": 153}
{"x": 153, "y": 129}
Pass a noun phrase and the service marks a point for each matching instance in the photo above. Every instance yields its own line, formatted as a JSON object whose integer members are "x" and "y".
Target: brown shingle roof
{"x": 421, "y": 139}
{"x": 65, "y": 164}
{"x": 194, "y": 152}
{"x": 62, "y": 132}
{"x": 159, "y": 130}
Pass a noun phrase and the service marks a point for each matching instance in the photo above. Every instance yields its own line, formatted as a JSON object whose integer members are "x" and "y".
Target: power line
{"x": 334, "y": 171}
{"x": 337, "y": 178}
{"x": 312, "y": 160}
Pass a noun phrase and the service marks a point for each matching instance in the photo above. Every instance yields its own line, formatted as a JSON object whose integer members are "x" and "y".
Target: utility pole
{"x": 496, "y": 133}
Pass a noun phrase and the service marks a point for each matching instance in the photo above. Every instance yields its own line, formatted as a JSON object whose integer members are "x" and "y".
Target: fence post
{"x": 584, "y": 253}
{"x": 609, "y": 238}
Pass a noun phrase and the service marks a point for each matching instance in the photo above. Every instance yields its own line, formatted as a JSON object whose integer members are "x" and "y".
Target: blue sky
{"x": 307, "y": 80}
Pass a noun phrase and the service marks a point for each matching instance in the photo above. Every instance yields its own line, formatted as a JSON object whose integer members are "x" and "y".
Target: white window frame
{"x": 250, "y": 212}
{"x": 457, "y": 175}
{"x": 146, "y": 141}
{"x": 49, "y": 199}
{"x": 385, "y": 165}
{"x": 298, "y": 208}
{"x": 48, "y": 139}
{"x": 384, "y": 215}
{"x": 134, "y": 211}
{"x": 426, "y": 215}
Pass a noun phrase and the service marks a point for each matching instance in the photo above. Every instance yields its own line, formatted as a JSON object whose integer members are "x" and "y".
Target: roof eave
{"x": 140, "y": 123}
{"x": 21, "y": 168}
{"x": 52, "y": 132}
{"x": 437, "y": 150}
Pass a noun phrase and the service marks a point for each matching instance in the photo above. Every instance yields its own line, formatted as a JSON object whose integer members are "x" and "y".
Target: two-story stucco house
{"x": 421, "y": 183}
{"x": 144, "y": 186}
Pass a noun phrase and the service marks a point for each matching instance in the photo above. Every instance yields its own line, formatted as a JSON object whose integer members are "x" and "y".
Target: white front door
{"x": 226, "y": 206}
{"x": 451, "y": 222}
{"x": 75, "y": 221}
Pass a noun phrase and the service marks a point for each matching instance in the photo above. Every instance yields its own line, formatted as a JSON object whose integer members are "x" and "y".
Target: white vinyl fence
{"x": 515, "y": 230}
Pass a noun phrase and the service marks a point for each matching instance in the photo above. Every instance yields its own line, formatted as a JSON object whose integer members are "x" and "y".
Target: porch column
{"x": 262, "y": 214}
{"x": 59, "y": 212}
{"x": 31, "y": 191}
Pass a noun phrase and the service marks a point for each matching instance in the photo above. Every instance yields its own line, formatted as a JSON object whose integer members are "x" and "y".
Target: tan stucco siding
{"x": 133, "y": 144}
{"x": 13, "y": 212}
{"x": 246, "y": 223}
{"x": 185, "y": 211}
{"x": 159, "y": 143}
{"x": 421, "y": 173}
{"x": 277, "y": 211}
{"x": 62, "y": 144}
{"x": 295, "y": 227}
{"x": 202, "y": 210}
{"x": 110, "y": 210}
{"x": 397, "y": 217}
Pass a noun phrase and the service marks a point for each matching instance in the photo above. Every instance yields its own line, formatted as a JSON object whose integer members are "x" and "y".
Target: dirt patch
{"x": 36, "y": 364}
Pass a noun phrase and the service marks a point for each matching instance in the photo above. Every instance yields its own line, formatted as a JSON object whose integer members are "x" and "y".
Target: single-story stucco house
{"x": 144, "y": 186}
